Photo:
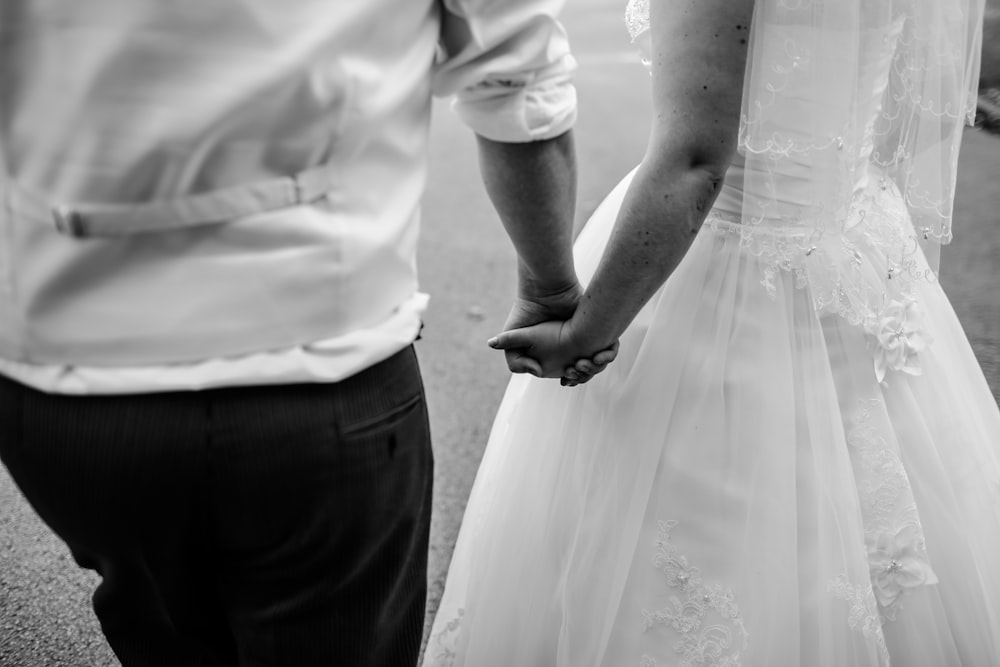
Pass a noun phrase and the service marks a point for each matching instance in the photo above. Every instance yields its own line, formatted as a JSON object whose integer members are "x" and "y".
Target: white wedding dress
{"x": 795, "y": 459}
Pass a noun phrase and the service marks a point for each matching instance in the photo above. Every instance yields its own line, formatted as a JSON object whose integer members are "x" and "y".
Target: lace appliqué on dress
{"x": 896, "y": 337}
{"x": 699, "y": 643}
{"x": 894, "y": 540}
{"x": 849, "y": 185}
{"x": 637, "y": 18}
{"x": 866, "y": 275}
{"x": 897, "y": 555}
{"x": 863, "y": 613}
{"x": 440, "y": 651}
{"x": 906, "y": 69}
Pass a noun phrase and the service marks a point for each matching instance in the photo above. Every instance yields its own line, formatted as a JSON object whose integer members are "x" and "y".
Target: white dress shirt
{"x": 124, "y": 101}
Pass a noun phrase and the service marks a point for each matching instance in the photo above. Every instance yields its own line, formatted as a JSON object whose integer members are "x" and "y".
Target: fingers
{"x": 549, "y": 353}
{"x": 518, "y": 362}
{"x": 571, "y": 377}
{"x": 584, "y": 370}
{"x": 606, "y": 356}
{"x": 511, "y": 339}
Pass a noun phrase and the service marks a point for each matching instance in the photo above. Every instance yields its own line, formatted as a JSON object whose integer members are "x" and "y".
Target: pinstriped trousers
{"x": 264, "y": 526}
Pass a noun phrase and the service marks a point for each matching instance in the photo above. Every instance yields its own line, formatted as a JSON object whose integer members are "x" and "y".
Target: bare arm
{"x": 699, "y": 57}
{"x": 533, "y": 188}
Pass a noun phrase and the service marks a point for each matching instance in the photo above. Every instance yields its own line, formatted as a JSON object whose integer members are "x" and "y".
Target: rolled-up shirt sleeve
{"x": 509, "y": 66}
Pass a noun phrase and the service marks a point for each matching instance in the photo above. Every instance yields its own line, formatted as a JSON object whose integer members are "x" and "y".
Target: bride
{"x": 795, "y": 458}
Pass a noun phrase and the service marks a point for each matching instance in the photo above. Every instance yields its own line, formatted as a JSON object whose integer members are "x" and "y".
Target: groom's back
{"x": 123, "y": 100}
{"x": 302, "y": 125}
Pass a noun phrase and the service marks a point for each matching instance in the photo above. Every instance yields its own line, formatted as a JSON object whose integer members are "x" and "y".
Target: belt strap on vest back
{"x": 83, "y": 220}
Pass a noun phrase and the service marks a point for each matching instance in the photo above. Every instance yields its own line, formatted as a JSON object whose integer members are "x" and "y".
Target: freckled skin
{"x": 692, "y": 142}
{"x": 706, "y": 124}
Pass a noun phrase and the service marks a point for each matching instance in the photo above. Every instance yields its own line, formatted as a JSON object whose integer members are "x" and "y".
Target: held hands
{"x": 547, "y": 348}
{"x": 534, "y": 306}
{"x": 535, "y": 336}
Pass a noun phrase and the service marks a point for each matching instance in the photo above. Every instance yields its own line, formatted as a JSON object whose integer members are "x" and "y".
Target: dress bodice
{"x": 848, "y": 141}
{"x": 825, "y": 132}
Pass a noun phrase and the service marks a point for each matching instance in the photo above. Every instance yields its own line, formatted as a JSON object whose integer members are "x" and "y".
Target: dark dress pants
{"x": 259, "y": 526}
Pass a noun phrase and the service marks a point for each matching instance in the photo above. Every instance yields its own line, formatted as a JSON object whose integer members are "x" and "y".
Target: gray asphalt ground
{"x": 468, "y": 267}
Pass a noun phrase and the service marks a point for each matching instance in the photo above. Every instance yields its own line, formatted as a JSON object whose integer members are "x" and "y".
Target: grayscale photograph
{"x": 499, "y": 333}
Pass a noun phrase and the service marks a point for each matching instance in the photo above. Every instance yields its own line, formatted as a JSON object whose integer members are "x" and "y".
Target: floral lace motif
{"x": 911, "y": 55}
{"x": 863, "y": 613}
{"x": 897, "y": 556}
{"x": 897, "y": 337}
{"x": 860, "y": 275}
{"x": 699, "y": 644}
{"x": 854, "y": 274}
{"x": 440, "y": 651}
{"x": 872, "y": 181}
{"x": 637, "y": 18}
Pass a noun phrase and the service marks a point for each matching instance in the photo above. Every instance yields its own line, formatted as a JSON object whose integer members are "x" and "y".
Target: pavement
{"x": 467, "y": 266}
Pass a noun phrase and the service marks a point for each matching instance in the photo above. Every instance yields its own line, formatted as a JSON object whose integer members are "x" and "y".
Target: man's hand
{"x": 533, "y": 306}
{"x": 549, "y": 350}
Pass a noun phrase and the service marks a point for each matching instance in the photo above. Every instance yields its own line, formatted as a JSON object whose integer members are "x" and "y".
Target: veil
{"x": 852, "y": 119}
{"x": 829, "y": 53}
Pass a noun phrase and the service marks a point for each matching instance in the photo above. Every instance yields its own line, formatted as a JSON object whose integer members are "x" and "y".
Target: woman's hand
{"x": 534, "y": 306}
{"x": 549, "y": 349}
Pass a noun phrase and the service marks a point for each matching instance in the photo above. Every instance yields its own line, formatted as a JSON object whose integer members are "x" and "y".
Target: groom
{"x": 208, "y": 220}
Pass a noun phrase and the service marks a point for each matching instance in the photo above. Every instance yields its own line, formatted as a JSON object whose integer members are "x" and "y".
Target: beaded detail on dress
{"x": 866, "y": 275}
{"x": 894, "y": 538}
{"x": 849, "y": 185}
{"x": 700, "y": 643}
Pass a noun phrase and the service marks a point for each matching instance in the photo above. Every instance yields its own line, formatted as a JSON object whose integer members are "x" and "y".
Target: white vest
{"x": 191, "y": 180}
{"x": 194, "y": 180}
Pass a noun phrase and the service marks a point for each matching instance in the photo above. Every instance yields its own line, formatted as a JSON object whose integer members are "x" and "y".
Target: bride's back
{"x": 809, "y": 126}
{"x": 849, "y": 135}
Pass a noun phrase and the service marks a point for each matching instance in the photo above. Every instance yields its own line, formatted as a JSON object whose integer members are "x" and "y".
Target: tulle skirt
{"x": 737, "y": 488}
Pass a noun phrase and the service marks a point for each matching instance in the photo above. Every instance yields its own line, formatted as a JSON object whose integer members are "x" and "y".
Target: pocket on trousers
{"x": 385, "y": 421}
{"x": 401, "y": 433}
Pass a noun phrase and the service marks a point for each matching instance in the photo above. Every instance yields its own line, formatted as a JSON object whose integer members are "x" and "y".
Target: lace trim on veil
{"x": 874, "y": 176}
{"x": 853, "y": 195}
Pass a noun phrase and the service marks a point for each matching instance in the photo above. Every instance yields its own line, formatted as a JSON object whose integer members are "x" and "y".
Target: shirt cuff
{"x": 519, "y": 111}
